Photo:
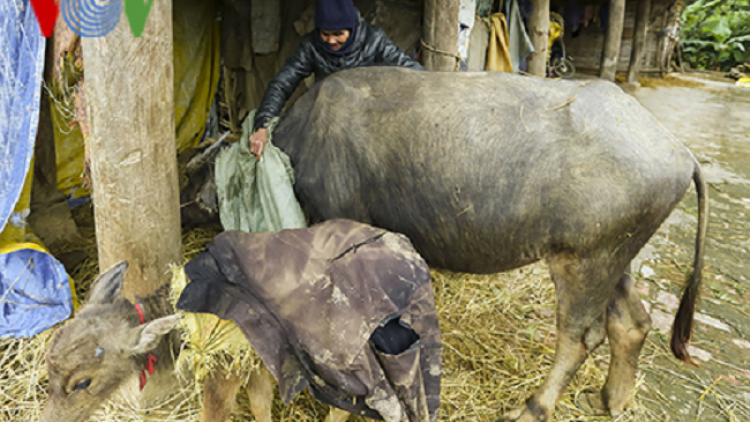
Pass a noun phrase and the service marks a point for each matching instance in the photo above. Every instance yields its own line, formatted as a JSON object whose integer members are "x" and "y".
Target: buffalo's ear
{"x": 147, "y": 336}
{"x": 107, "y": 286}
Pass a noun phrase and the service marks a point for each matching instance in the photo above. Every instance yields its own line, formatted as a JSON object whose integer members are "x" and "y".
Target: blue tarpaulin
{"x": 35, "y": 291}
{"x": 21, "y": 67}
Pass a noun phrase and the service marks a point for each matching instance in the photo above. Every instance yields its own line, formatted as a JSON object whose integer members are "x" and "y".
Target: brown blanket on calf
{"x": 341, "y": 307}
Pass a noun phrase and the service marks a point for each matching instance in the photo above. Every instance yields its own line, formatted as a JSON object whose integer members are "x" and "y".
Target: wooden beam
{"x": 612, "y": 40}
{"x": 539, "y": 32}
{"x": 130, "y": 96}
{"x": 440, "y": 35}
{"x": 639, "y": 40}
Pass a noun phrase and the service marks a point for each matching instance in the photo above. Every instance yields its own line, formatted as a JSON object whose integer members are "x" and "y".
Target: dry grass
{"x": 498, "y": 335}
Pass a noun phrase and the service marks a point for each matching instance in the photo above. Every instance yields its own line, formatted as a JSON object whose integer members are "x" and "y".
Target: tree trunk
{"x": 639, "y": 39}
{"x": 612, "y": 40}
{"x": 440, "y": 35}
{"x": 130, "y": 96}
{"x": 539, "y": 32}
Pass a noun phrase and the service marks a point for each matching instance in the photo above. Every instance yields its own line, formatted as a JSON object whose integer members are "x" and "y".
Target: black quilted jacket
{"x": 371, "y": 48}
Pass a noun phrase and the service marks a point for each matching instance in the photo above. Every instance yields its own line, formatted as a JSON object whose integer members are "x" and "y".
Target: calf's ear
{"x": 147, "y": 336}
{"x": 107, "y": 286}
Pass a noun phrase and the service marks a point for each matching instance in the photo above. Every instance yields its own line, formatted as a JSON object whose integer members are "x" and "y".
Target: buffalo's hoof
{"x": 591, "y": 402}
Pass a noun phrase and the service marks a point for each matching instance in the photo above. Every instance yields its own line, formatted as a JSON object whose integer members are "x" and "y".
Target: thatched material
{"x": 209, "y": 342}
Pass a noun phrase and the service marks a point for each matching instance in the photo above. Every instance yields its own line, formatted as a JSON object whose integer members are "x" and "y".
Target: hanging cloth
{"x": 520, "y": 44}
{"x": 498, "y": 53}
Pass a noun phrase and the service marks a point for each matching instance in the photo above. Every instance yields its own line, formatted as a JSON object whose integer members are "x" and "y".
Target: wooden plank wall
{"x": 586, "y": 49}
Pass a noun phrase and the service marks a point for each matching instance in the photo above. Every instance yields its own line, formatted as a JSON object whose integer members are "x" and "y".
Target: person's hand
{"x": 258, "y": 142}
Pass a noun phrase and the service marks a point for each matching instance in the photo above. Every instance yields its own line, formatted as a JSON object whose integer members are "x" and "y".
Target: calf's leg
{"x": 219, "y": 392}
{"x": 260, "y": 392}
{"x": 628, "y": 323}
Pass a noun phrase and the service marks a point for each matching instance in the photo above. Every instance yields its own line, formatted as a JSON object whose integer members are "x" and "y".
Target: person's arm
{"x": 392, "y": 55}
{"x": 281, "y": 87}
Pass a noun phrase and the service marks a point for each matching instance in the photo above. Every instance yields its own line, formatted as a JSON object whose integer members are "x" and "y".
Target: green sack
{"x": 256, "y": 196}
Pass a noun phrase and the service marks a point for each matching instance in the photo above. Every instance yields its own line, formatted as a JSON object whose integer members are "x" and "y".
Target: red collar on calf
{"x": 151, "y": 358}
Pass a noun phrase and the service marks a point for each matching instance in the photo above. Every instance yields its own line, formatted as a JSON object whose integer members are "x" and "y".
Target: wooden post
{"x": 440, "y": 35}
{"x": 612, "y": 40}
{"x": 539, "y": 32}
{"x": 639, "y": 39}
{"x": 130, "y": 96}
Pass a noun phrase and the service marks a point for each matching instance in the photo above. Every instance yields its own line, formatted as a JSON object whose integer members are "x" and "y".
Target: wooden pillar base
{"x": 440, "y": 35}
{"x": 612, "y": 40}
{"x": 639, "y": 39}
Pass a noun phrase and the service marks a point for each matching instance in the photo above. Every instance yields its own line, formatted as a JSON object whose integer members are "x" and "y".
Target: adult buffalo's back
{"x": 485, "y": 172}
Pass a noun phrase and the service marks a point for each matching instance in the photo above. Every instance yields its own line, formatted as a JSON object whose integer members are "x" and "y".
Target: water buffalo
{"x": 486, "y": 172}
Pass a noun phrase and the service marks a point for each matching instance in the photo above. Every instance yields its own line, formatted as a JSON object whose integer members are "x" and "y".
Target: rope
{"x": 445, "y": 53}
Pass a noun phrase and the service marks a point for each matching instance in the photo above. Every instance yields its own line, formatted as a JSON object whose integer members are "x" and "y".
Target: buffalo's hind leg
{"x": 628, "y": 323}
{"x": 583, "y": 287}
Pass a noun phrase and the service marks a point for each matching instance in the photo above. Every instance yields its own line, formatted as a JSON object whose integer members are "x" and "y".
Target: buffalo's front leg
{"x": 583, "y": 287}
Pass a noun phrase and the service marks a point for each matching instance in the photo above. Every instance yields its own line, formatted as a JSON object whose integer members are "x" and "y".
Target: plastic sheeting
{"x": 256, "y": 196}
{"x": 196, "y": 68}
{"x": 35, "y": 291}
{"x": 21, "y": 67}
{"x": 196, "y": 77}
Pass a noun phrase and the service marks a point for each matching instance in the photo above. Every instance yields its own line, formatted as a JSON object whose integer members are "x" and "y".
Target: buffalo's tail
{"x": 683, "y": 322}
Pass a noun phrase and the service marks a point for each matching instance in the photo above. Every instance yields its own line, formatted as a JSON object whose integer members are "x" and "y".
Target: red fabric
{"x": 151, "y": 358}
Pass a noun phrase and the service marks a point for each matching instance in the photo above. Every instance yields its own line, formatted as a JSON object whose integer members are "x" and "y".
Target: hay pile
{"x": 498, "y": 335}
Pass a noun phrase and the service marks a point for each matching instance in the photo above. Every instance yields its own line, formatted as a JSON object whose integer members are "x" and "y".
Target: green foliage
{"x": 716, "y": 33}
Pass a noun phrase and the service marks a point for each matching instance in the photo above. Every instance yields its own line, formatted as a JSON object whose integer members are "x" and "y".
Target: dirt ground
{"x": 712, "y": 117}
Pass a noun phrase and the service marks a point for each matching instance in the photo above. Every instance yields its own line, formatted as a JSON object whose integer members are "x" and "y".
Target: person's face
{"x": 335, "y": 39}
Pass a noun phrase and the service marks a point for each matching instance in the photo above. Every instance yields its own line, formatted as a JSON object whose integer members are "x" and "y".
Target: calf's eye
{"x": 83, "y": 385}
